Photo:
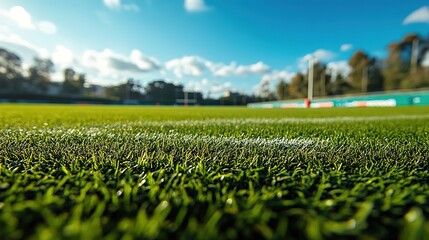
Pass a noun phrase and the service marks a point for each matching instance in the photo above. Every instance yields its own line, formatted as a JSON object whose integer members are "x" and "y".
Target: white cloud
{"x": 221, "y": 70}
{"x": 188, "y": 66}
{"x": 112, "y": 4}
{"x": 340, "y": 67}
{"x": 217, "y": 89}
{"x": 117, "y": 5}
{"x": 21, "y": 17}
{"x": 57, "y": 76}
{"x": 24, "y": 20}
{"x": 320, "y": 55}
{"x": 22, "y": 47}
{"x": 346, "y": 47}
{"x": 420, "y": 15}
{"x": 4, "y": 29}
{"x": 143, "y": 62}
{"x": 47, "y": 27}
{"x": 271, "y": 79}
{"x": 221, "y": 88}
{"x": 63, "y": 57}
{"x": 109, "y": 63}
{"x": 198, "y": 86}
{"x": 317, "y": 56}
{"x": 276, "y": 75}
{"x": 196, "y": 6}
{"x": 195, "y": 66}
{"x": 257, "y": 68}
{"x": 208, "y": 88}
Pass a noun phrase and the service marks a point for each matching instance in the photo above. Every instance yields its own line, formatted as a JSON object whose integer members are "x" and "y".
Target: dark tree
{"x": 40, "y": 74}
{"x": 298, "y": 86}
{"x": 11, "y": 78}
{"x": 320, "y": 79}
{"x": 339, "y": 86}
{"x": 128, "y": 91}
{"x": 366, "y": 73}
{"x": 404, "y": 68}
{"x": 282, "y": 90}
{"x": 163, "y": 92}
{"x": 73, "y": 83}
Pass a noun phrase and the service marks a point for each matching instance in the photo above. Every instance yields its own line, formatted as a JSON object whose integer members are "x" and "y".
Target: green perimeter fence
{"x": 390, "y": 99}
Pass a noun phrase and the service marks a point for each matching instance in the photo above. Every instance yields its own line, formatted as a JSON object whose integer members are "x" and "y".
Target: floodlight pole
{"x": 323, "y": 83}
{"x": 186, "y": 99}
{"x": 414, "y": 55}
{"x": 365, "y": 79}
{"x": 310, "y": 79}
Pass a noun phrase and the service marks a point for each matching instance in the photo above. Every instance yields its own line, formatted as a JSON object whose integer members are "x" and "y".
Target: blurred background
{"x": 207, "y": 52}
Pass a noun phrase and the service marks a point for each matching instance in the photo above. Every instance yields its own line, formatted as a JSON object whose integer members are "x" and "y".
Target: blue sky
{"x": 206, "y": 45}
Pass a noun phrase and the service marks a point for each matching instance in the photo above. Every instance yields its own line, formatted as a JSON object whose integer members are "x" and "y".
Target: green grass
{"x": 92, "y": 172}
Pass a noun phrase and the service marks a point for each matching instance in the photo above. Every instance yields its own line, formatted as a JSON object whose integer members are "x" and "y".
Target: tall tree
{"x": 375, "y": 78}
{"x": 358, "y": 75}
{"x": 321, "y": 79}
{"x": 69, "y": 75}
{"x": 419, "y": 75}
{"x": 339, "y": 86}
{"x": 365, "y": 74}
{"x": 404, "y": 68}
{"x": 133, "y": 90}
{"x": 73, "y": 82}
{"x": 81, "y": 80}
{"x": 11, "y": 78}
{"x": 282, "y": 90}
{"x": 264, "y": 90}
{"x": 129, "y": 90}
{"x": 298, "y": 86}
{"x": 40, "y": 73}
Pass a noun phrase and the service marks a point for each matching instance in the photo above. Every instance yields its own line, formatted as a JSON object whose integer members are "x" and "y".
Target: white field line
{"x": 247, "y": 121}
{"x": 109, "y": 134}
{"x": 302, "y": 143}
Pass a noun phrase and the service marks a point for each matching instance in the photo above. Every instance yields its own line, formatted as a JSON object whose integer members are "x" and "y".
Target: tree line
{"x": 36, "y": 83}
{"x": 14, "y": 79}
{"x": 403, "y": 68}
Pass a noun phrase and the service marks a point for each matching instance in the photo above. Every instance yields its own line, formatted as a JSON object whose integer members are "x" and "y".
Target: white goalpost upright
{"x": 186, "y": 100}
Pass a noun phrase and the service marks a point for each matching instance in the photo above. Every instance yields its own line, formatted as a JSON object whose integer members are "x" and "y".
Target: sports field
{"x": 93, "y": 172}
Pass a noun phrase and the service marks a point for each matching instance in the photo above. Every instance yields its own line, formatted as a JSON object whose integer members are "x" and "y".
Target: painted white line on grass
{"x": 115, "y": 133}
{"x": 234, "y": 141}
{"x": 246, "y": 121}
